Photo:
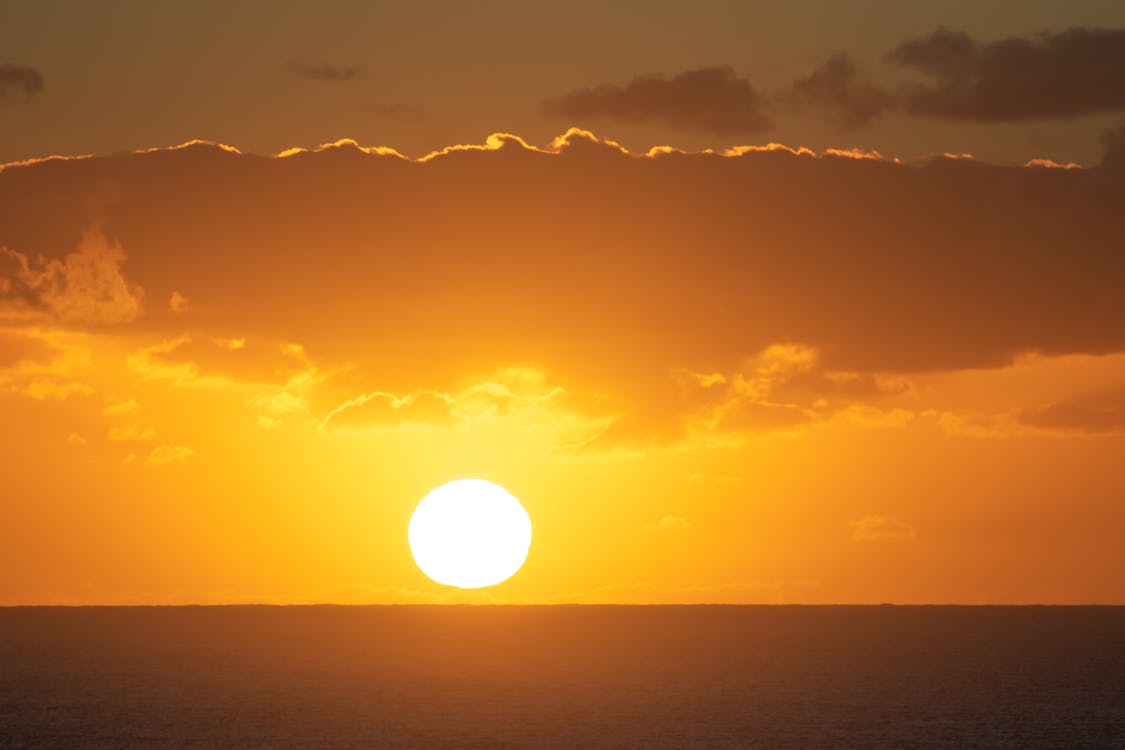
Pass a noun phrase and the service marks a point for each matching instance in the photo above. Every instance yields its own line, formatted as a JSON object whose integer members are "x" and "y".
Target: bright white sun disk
{"x": 469, "y": 533}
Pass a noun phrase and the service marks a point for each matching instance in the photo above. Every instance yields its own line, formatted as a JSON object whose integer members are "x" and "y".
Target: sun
{"x": 469, "y": 533}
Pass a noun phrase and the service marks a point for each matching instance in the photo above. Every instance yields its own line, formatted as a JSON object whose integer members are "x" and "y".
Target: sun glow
{"x": 469, "y": 533}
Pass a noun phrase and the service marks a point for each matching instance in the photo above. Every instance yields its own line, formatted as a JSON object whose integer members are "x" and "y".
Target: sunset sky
{"x": 802, "y": 302}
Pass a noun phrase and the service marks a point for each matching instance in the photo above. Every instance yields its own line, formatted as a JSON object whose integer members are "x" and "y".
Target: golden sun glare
{"x": 469, "y": 533}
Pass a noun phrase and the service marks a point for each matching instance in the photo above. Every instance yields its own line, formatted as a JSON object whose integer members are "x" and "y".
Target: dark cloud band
{"x": 1068, "y": 74}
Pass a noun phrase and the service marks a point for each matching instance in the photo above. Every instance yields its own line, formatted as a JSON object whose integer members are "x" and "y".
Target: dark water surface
{"x": 562, "y": 677}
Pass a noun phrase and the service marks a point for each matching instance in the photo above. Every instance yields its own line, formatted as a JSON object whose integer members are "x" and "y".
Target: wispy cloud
{"x": 871, "y": 528}
{"x": 325, "y": 71}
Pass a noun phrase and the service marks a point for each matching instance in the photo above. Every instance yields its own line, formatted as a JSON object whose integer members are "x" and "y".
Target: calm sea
{"x": 562, "y": 677}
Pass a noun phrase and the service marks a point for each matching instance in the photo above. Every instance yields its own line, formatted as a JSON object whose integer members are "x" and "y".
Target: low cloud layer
{"x": 619, "y": 298}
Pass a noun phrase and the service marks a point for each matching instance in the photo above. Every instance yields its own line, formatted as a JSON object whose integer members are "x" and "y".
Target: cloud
{"x": 117, "y": 408}
{"x": 278, "y": 404}
{"x": 1113, "y": 145}
{"x": 1103, "y": 414}
{"x": 131, "y": 433}
{"x": 836, "y": 87}
{"x": 168, "y": 454}
{"x": 84, "y": 287}
{"x": 515, "y": 395}
{"x": 713, "y": 100}
{"x": 45, "y": 363}
{"x": 195, "y": 360}
{"x": 1054, "y": 75}
{"x": 378, "y": 409}
{"x": 870, "y": 528}
{"x": 19, "y": 83}
{"x": 565, "y": 258}
{"x": 1075, "y": 72}
{"x": 325, "y": 71}
{"x": 178, "y": 303}
{"x": 781, "y": 389}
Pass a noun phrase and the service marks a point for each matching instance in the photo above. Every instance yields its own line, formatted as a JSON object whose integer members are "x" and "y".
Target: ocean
{"x": 562, "y": 677}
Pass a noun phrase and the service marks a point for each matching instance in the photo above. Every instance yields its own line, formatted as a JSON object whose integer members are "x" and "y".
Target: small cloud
{"x": 278, "y": 404}
{"x": 121, "y": 407}
{"x": 674, "y": 522}
{"x": 1103, "y": 414}
{"x": 713, "y": 100}
{"x": 84, "y": 287}
{"x": 231, "y": 344}
{"x": 75, "y": 439}
{"x": 19, "y": 82}
{"x": 872, "y": 416}
{"x": 1040, "y": 163}
{"x": 274, "y": 407}
{"x": 325, "y": 71}
{"x": 380, "y": 408}
{"x": 129, "y": 459}
{"x": 41, "y": 390}
{"x": 1113, "y": 146}
{"x": 179, "y": 304}
{"x": 131, "y": 433}
{"x": 870, "y": 528}
{"x": 837, "y": 88}
{"x": 166, "y": 454}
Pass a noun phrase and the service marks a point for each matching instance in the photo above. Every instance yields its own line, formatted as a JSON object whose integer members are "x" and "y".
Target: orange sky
{"x": 757, "y": 374}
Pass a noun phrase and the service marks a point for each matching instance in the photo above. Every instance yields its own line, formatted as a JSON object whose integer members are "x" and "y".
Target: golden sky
{"x": 885, "y": 362}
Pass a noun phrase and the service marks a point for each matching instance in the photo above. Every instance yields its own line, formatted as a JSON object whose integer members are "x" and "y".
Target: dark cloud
{"x": 1068, "y": 74}
{"x": 1071, "y": 73}
{"x": 837, "y": 88}
{"x": 713, "y": 100}
{"x": 597, "y": 266}
{"x": 325, "y": 71}
{"x": 84, "y": 287}
{"x": 1098, "y": 415}
{"x": 1075, "y": 72}
{"x": 1113, "y": 145}
{"x": 19, "y": 83}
